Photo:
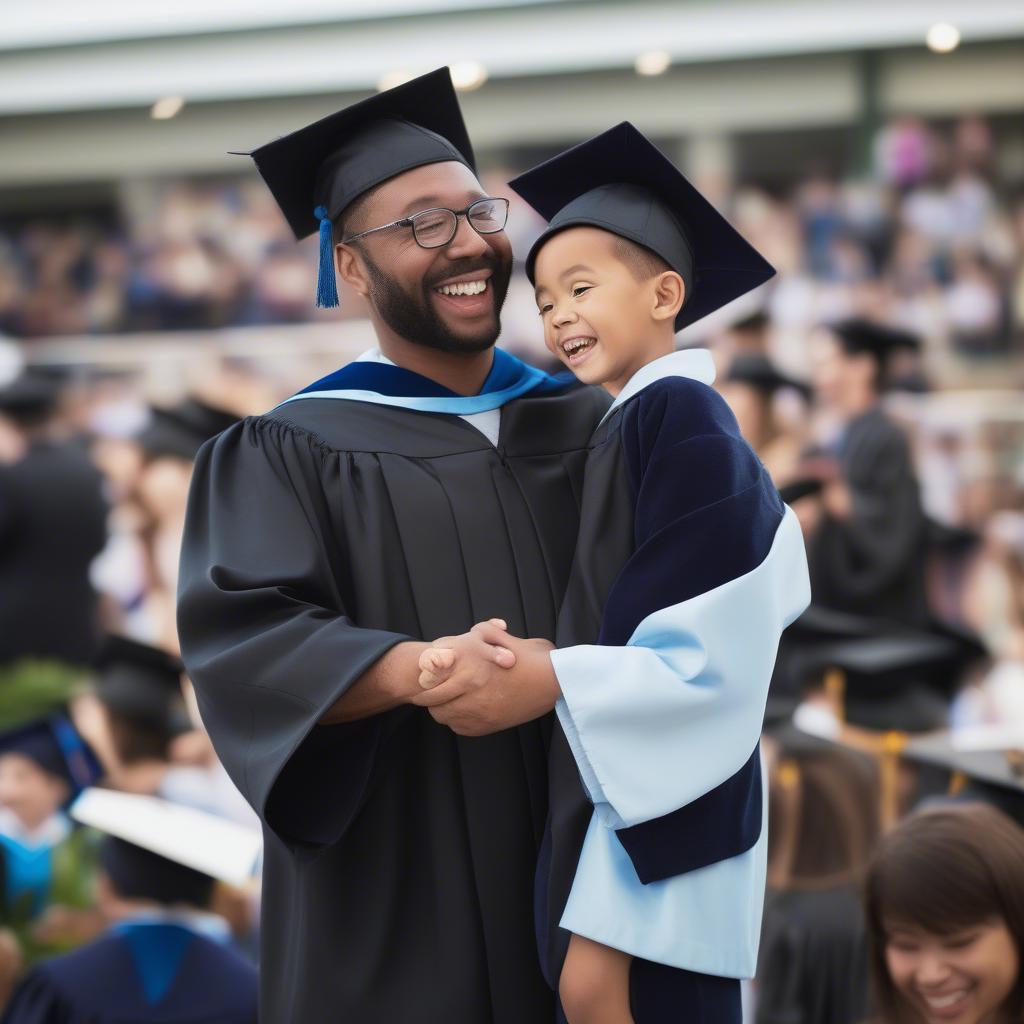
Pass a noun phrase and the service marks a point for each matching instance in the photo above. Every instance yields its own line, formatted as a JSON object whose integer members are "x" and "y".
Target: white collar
{"x": 373, "y": 355}
{"x": 54, "y": 830}
{"x": 695, "y": 363}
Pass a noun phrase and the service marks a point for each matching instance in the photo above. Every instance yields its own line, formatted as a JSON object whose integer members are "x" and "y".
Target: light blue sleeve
{"x": 665, "y": 719}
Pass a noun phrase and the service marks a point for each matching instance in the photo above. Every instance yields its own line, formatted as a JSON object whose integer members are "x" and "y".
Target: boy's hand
{"x": 439, "y": 662}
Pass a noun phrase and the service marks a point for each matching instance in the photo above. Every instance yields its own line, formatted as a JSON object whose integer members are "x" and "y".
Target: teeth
{"x": 575, "y": 344}
{"x": 464, "y": 288}
{"x": 941, "y": 1002}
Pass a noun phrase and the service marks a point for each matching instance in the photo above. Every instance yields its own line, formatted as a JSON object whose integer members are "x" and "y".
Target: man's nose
{"x": 467, "y": 241}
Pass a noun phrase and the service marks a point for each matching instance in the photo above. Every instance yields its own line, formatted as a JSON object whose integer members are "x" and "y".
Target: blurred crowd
{"x": 908, "y": 483}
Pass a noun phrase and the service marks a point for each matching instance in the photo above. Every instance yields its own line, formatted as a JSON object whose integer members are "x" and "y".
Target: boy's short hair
{"x": 641, "y": 262}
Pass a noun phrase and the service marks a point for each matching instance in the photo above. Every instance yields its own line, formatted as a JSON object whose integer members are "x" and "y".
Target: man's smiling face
{"x": 448, "y": 298}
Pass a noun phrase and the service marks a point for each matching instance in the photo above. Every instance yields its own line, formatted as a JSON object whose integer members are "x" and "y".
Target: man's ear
{"x": 669, "y": 293}
{"x": 350, "y": 268}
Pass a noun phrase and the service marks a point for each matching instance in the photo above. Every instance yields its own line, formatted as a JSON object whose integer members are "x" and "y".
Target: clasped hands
{"x": 486, "y": 680}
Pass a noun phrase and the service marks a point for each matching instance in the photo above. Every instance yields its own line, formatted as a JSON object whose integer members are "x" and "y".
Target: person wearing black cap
{"x": 682, "y": 538}
{"x": 403, "y": 497}
{"x": 53, "y": 518}
{"x": 164, "y": 956}
{"x": 43, "y": 765}
{"x": 867, "y": 551}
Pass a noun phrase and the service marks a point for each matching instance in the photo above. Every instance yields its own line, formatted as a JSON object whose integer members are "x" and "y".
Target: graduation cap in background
{"x": 860, "y": 336}
{"x": 31, "y": 398}
{"x": 316, "y": 172}
{"x": 55, "y": 745}
{"x": 181, "y": 430}
{"x": 620, "y": 182}
{"x": 141, "y": 683}
{"x": 157, "y": 850}
{"x": 896, "y": 678}
{"x": 761, "y": 373}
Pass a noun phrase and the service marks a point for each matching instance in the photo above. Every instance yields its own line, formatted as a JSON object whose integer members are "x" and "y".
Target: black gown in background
{"x": 873, "y": 563}
{"x": 399, "y": 857}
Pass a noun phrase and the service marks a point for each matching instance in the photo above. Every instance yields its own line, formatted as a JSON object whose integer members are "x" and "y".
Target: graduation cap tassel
{"x": 326, "y": 285}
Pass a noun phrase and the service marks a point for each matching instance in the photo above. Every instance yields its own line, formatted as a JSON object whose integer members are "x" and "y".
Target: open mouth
{"x": 576, "y": 349}
{"x": 468, "y": 296}
{"x": 946, "y": 1005}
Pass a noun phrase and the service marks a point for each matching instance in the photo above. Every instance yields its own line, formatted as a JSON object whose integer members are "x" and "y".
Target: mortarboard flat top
{"x": 55, "y": 745}
{"x": 338, "y": 158}
{"x": 182, "y": 429}
{"x": 212, "y": 846}
{"x": 138, "y": 681}
{"x": 879, "y": 340}
{"x": 620, "y": 182}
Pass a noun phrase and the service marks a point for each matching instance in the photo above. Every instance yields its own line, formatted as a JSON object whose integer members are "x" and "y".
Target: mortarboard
{"x": 147, "y": 827}
{"x": 761, "y": 373}
{"x": 56, "y": 746}
{"x": 620, "y": 182}
{"x": 858, "y": 335}
{"x": 140, "y": 682}
{"x": 31, "y": 398}
{"x": 316, "y": 172}
{"x": 181, "y": 430}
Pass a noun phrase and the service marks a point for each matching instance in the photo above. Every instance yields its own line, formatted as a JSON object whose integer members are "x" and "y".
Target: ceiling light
{"x": 167, "y": 107}
{"x": 653, "y": 62}
{"x": 943, "y": 37}
{"x": 468, "y": 75}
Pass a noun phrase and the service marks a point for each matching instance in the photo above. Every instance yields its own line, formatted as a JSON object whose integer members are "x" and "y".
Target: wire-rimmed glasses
{"x": 435, "y": 228}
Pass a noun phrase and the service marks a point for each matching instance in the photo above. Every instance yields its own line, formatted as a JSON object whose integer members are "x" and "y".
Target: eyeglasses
{"x": 434, "y": 228}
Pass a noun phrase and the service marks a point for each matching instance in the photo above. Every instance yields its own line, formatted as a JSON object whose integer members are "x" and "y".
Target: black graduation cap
{"x": 30, "y": 398}
{"x": 139, "y": 682}
{"x": 621, "y": 182}
{"x": 859, "y": 335}
{"x": 181, "y": 430}
{"x": 316, "y": 172}
{"x": 994, "y": 776}
{"x": 761, "y": 373}
{"x": 895, "y": 679}
{"x": 56, "y": 746}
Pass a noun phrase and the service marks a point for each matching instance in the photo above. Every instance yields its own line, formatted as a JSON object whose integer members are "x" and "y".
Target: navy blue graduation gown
{"x": 141, "y": 973}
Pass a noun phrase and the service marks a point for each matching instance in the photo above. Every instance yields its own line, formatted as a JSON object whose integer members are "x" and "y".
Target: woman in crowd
{"x": 945, "y": 916}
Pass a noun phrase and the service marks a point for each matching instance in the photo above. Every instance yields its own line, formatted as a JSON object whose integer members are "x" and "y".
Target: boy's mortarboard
{"x": 181, "y": 430}
{"x": 56, "y": 747}
{"x": 316, "y": 172}
{"x": 140, "y": 682}
{"x": 185, "y": 836}
{"x": 620, "y": 182}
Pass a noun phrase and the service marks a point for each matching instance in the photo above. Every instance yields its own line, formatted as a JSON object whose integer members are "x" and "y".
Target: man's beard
{"x": 418, "y": 320}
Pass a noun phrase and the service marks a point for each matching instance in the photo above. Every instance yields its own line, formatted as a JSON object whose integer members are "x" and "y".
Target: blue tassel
{"x": 326, "y": 285}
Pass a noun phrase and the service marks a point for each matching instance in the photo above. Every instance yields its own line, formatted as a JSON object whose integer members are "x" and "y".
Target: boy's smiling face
{"x": 599, "y": 319}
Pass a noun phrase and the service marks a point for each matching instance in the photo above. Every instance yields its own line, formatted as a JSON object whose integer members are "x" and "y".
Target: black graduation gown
{"x": 155, "y": 973}
{"x": 873, "y": 563}
{"x": 53, "y": 522}
{"x": 399, "y": 857}
{"x": 813, "y": 966}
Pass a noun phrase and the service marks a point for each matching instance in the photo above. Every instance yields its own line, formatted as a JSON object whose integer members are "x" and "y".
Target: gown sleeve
{"x": 265, "y": 635}
{"x": 669, "y": 705}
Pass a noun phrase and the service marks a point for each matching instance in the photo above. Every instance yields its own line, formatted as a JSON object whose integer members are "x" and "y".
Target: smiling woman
{"x": 945, "y": 909}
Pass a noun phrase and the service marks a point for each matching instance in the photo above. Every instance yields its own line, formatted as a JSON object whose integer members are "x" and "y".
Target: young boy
{"x": 687, "y": 569}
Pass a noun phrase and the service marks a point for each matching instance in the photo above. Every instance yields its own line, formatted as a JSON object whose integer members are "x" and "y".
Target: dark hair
{"x": 347, "y": 222}
{"x": 138, "y": 874}
{"x": 943, "y": 870}
{"x": 822, "y": 817}
{"x": 640, "y": 261}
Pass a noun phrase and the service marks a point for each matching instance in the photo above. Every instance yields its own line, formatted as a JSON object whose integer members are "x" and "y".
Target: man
{"x": 428, "y": 486}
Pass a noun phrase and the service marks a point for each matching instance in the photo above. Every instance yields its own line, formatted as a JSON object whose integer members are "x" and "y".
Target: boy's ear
{"x": 350, "y": 268}
{"x": 669, "y": 294}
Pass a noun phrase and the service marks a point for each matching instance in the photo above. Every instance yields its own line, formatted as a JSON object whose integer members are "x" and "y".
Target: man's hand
{"x": 471, "y": 692}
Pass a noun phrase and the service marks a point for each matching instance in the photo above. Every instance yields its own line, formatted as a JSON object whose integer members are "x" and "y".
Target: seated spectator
{"x": 945, "y": 916}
